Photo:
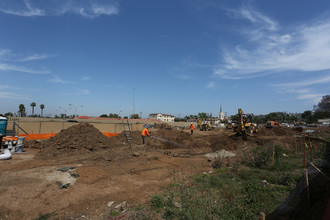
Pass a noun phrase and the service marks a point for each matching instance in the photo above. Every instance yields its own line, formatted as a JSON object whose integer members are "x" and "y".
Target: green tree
{"x": 135, "y": 116}
{"x": 259, "y": 119}
{"x": 202, "y": 115}
{"x": 111, "y": 115}
{"x": 21, "y": 110}
{"x": 292, "y": 118}
{"x": 322, "y": 109}
{"x": 308, "y": 116}
{"x": 277, "y": 116}
{"x": 33, "y": 104}
{"x": 9, "y": 114}
{"x": 104, "y": 116}
{"x": 42, "y": 106}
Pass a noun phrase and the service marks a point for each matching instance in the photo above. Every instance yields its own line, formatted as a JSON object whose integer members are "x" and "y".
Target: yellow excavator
{"x": 203, "y": 127}
{"x": 243, "y": 127}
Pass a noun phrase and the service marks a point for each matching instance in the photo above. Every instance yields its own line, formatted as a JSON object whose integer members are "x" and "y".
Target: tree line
{"x": 22, "y": 111}
{"x": 320, "y": 111}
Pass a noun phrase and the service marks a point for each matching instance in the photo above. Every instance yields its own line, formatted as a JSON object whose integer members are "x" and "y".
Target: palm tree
{"x": 21, "y": 110}
{"x": 33, "y": 104}
{"x": 42, "y": 106}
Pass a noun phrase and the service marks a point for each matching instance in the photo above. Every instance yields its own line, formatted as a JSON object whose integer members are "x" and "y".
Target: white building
{"x": 162, "y": 117}
{"x": 324, "y": 121}
{"x": 221, "y": 115}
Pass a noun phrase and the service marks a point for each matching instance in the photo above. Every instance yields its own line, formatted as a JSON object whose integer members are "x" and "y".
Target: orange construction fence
{"x": 44, "y": 136}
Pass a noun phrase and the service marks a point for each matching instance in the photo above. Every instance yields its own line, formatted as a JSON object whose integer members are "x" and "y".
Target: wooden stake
{"x": 262, "y": 216}
{"x": 310, "y": 152}
{"x": 315, "y": 151}
{"x": 307, "y": 187}
{"x": 273, "y": 155}
{"x": 305, "y": 156}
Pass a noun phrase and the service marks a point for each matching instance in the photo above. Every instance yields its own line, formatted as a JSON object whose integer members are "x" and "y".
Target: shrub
{"x": 218, "y": 162}
{"x": 259, "y": 156}
{"x": 157, "y": 202}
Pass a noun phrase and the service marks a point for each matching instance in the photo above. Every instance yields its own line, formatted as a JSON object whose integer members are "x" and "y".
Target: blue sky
{"x": 178, "y": 57}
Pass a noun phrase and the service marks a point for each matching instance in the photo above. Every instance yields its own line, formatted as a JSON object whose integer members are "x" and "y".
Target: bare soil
{"x": 106, "y": 169}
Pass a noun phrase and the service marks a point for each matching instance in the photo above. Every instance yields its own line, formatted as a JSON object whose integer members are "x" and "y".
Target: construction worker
{"x": 145, "y": 133}
{"x": 192, "y": 128}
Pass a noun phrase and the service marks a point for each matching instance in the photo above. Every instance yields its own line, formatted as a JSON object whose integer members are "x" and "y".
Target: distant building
{"x": 324, "y": 121}
{"x": 221, "y": 116}
{"x": 162, "y": 117}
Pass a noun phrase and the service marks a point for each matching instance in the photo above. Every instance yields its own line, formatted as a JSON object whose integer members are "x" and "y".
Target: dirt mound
{"x": 276, "y": 131}
{"x": 171, "y": 138}
{"x": 78, "y": 139}
{"x": 163, "y": 126}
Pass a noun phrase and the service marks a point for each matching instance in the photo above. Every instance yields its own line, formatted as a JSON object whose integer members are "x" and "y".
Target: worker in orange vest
{"x": 192, "y": 128}
{"x": 145, "y": 133}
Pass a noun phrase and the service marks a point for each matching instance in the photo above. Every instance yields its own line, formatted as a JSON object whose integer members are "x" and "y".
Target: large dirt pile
{"x": 78, "y": 139}
{"x": 276, "y": 131}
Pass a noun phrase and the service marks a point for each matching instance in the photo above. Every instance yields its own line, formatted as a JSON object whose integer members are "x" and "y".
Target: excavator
{"x": 203, "y": 127}
{"x": 271, "y": 124}
{"x": 243, "y": 127}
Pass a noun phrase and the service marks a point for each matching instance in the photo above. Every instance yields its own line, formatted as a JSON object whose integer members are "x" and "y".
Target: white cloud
{"x": 301, "y": 90}
{"x": 85, "y": 78}
{"x": 9, "y": 87}
{"x": 324, "y": 80}
{"x": 11, "y": 95}
{"x": 4, "y": 52}
{"x": 85, "y": 8}
{"x": 56, "y": 79}
{"x": 9, "y": 56}
{"x": 258, "y": 19}
{"x": 271, "y": 49}
{"x": 77, "y": 92}
{"x": 182, "y": 76}
{"x": 36, "y": 57}
{"x": 211, "y": 85}
{"x": 314, "y": 98}
{"x": 311, "y": 96}
{"x": 20, "y": 8}
{"x": 7, "y": 67}
{"x": 82, "y": 92}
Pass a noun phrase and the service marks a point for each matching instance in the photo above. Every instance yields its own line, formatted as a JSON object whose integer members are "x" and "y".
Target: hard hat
{"x": 147, "y": 126}
{"x": 191, "y": 123}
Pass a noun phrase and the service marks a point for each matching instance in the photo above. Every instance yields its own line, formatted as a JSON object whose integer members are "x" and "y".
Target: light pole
{"x": 75, "y": 108}
{"x": 63, "y": 112}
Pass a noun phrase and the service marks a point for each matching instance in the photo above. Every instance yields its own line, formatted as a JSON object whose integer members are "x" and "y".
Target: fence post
{"x": 311, "y": 152}
{"x": 305, "y": 156}
{"x": 315, "y": 151}
{"x": 40, "y": 128}
{"x": 307, "y": 186}
{"x": 262, "y": 216}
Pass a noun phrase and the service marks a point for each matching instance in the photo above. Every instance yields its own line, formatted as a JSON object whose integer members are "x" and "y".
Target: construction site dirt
{"x": 99, "y": 170}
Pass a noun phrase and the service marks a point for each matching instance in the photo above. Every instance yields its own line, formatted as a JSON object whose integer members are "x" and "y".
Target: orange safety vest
{"x": 192, "y": 127}
{"x": 145, "y": 132}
